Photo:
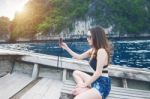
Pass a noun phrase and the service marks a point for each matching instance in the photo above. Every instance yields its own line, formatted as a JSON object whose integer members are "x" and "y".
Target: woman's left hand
{"x": 83, "y": 85}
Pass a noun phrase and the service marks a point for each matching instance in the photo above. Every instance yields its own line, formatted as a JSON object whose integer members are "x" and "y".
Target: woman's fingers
{"x": 79, "y": 90}
{"x": 63, "y": 45}
{"x": 82, "y": 85}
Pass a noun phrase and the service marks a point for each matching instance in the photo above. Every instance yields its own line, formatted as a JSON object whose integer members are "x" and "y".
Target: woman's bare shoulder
{"x": 101, "y": 51}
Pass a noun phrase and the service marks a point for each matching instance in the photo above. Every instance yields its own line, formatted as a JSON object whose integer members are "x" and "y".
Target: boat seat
{"x": 11, "y": 84}
{"x": 116, "y": 92}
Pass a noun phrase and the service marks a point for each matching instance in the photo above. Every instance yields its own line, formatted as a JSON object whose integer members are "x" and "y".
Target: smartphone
{"x": 60, "y": 41}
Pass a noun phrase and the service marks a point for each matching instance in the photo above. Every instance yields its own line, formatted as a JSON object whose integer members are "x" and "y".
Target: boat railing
{"x": 68, "y": 64}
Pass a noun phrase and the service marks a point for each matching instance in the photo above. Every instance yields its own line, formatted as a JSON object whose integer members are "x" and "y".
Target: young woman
{"x": 98, "y": 85}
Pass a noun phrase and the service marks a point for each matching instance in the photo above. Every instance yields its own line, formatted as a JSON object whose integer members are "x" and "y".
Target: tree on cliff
{"x": 4, "y": 22}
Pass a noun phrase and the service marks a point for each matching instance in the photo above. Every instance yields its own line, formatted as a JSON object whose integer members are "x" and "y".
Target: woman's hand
{"x": 64, "y": 45}
{"x": 80, "y": 88}
{"x": 83, "y": 85}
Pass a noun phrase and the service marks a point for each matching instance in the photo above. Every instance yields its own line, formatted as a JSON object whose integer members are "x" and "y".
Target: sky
{"x": 8, "y": 8}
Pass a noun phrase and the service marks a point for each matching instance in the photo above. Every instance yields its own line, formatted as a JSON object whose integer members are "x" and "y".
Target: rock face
{"x": 82, "y": 27}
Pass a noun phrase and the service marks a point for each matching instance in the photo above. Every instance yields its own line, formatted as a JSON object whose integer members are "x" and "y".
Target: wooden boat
{"x": 25, "y": 75}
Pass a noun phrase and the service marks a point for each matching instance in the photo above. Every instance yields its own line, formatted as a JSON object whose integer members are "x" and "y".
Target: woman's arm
{"x": 101, "y": 60}
{"x": 79, "y": 56}
{"x": 75, "y": 55}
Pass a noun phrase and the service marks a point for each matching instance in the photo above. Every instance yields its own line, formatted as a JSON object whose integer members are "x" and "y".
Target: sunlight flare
{"x": 10, "y": 7}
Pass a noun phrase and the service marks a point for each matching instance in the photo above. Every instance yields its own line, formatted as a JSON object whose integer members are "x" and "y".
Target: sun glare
{"x": 20, "y": 9}
{"x": 10, "y": 7}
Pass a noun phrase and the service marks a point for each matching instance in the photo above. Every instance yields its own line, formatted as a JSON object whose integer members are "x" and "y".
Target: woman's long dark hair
{"x": 100, "y": 40}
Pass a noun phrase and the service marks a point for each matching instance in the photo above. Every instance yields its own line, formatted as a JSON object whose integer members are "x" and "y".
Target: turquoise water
{"x": 125, "y": 53}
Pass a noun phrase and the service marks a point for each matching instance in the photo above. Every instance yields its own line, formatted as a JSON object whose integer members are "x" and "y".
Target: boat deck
{"x": 11, "y": 84}
{"x": 26, "y": 82}
{"x": 46, "y": 88}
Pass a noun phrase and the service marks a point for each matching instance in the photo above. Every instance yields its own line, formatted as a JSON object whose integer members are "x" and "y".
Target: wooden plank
{"x": 54, "y": 91}
{"x": 35, "y": 72}
{"x": 11, "y": 52}
{"x": 44, "y": 89}
{"x": 72, "y": 83}
{"x": 13, "y": 83}
{"x": 112, "y": 93}
{"x": 82, "y": 65}
{"x": 132, "y": 90}
{"x": 124, "y": 81}
{"x": 69, "y": 89}
{"x": 2, "y": 74}
{"x": 124, "y": 97}
{"x": 52, "y": 61}
{"x": 64, "y": 74}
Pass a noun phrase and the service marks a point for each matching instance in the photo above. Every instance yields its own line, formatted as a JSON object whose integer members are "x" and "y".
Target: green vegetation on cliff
{"x": 126, "y": 16}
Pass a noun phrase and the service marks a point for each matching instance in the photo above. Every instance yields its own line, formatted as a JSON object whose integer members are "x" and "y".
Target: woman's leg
{"x": 80, "y": 77}
{"x": 89, "y": 94}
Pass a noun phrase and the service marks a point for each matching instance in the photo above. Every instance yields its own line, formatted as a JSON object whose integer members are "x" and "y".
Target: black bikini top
{"x": 93, "y": 63}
